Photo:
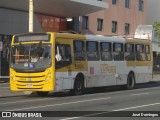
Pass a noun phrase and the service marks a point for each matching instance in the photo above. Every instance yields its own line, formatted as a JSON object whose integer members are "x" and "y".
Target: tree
{"x": 156, "y": 26}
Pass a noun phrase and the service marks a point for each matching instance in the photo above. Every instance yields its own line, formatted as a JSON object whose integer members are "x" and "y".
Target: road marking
{"x": 26, "y": 101}
{"x": 90, "y": 115}
{"x": 140, "y": 94}
{"x": 60, "y": 104}
{"x": 127, "y": 92}
{"x": 137, "y": 107}
{"x": 71, "y": 118}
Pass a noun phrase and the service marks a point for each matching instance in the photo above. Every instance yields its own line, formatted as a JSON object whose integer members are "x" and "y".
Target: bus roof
{"x": 100, "y": 38}
{"x": 104, "y": 38}
{"x": 69, "y": 36}
{"x": 115, "y": 39}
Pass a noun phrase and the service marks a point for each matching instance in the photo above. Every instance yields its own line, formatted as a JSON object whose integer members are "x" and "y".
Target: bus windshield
{"x": 31, "y": 57}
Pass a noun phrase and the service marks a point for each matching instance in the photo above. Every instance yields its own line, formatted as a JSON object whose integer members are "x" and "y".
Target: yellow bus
{"x": 56, "y": 62}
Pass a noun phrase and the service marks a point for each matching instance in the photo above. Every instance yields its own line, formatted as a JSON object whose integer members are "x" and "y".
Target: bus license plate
{"x": 29, "y": 85}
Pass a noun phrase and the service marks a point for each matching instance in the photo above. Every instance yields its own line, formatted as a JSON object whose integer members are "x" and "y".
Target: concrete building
{"x": 49, "y": 15}
{"x": 121, "y": 18}
{"x": 153, "y": 11}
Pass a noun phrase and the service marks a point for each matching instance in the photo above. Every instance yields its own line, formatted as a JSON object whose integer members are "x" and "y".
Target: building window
{"x": 141, "y": 5}
{"x": 99, "y": 24}
{"x": 114, "y": 2}
{"x": 127, "y": 3}
{"x": 127, "y": 29}
{"x": 85, "y": 22}
{"x": 114, "y": 26}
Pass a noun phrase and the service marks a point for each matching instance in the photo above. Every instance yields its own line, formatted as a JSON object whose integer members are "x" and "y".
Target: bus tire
{"x": 43, "y": 94}
{"x": 130, "y": 81}
{"x": 78, "y": 87}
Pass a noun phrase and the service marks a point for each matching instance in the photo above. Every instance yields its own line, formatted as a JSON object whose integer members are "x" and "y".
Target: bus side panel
{"x": 101, "y": 74}
{"x": 122, "y": 72}
{"x": 65, "y": 80}
{"x": 143, "y": 74}
{"x": 142, "y": 70}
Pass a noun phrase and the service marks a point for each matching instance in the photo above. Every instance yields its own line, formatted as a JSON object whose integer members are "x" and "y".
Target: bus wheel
{"x": 78, "y": 87}
{"x": 42, "y": 93}
{"x": 130, "y": 81}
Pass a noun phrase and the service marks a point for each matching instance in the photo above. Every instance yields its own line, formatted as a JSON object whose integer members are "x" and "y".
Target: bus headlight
{"x": 12, "y": 77}
{"x": 48, "y": 77}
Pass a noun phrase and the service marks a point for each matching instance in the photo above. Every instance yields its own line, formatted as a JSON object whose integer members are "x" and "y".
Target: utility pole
{"x": 31, "y": 15}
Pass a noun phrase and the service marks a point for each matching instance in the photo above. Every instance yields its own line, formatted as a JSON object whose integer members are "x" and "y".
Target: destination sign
{"x": 32, "y": 37}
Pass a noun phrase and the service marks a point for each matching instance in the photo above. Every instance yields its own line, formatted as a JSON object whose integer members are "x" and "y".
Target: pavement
{"x": 5, "y": 89}
{"x": 4, "y": 80}
{"x": 114, "y": 104}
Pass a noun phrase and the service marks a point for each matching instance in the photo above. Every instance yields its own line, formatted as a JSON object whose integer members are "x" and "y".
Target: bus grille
{"x": 30, "y": 82}
{"x": 29, "y": 88}
{"x": 30, "y": 76}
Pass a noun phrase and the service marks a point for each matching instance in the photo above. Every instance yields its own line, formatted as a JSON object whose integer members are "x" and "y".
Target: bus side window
{"x": 148, "y": 57}
{"x": 93, "y": 51}
{"x": 140, "y": 52}
{"x": 79, "y": 50}
{"x": 118, "y": 52}
{"x": 106, "y": 51}
{"x": 129, "y": 52}
{"x": 65, "y": 53}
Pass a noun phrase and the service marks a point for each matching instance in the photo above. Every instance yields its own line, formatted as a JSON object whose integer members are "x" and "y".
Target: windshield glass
{"x": 31, "y": 57}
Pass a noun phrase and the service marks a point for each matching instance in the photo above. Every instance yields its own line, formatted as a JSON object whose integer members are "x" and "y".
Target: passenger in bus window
{"x": 34, "y": 58}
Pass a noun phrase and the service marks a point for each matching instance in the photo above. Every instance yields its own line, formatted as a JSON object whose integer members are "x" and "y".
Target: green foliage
{"x": 156, "y": 26}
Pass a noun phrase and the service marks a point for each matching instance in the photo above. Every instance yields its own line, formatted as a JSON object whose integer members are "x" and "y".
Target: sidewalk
{"x": 4, "y": 80}
{"x": 5, "y": 91}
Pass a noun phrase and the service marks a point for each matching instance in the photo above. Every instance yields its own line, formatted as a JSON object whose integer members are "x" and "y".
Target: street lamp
{"x": 31, "y": 11}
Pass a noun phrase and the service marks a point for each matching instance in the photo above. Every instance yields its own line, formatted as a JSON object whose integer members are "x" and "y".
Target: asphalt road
{"x": 103, "y": 103}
